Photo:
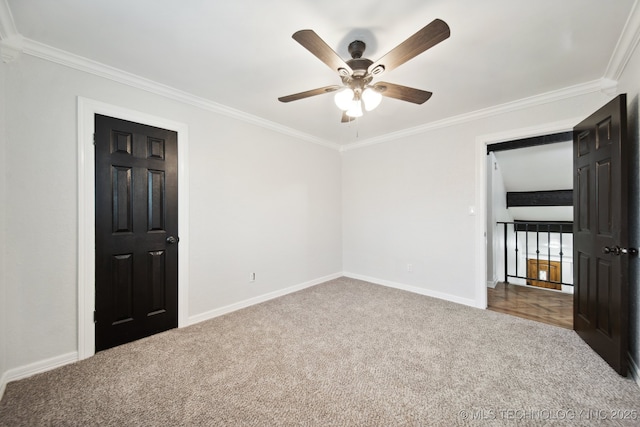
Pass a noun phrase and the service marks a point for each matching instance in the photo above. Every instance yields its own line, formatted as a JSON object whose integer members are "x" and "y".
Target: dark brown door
{"x": 136, "y": 231}
{"x": 600, "y": 232}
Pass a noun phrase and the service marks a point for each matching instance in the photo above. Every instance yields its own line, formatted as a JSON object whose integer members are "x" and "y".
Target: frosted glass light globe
{"x": 371, "y": 98}
{"x": 355, "y": 110}
{"x": 343, "y": 99}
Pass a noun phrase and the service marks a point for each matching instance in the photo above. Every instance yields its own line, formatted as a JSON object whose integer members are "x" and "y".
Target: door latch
{"x": 617, "y": 250}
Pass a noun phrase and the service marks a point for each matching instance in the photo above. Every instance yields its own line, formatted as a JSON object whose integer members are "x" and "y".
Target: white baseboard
{"x": 36, "y": 368}
{"x": 4, "y": 379}
{"x": 414, "y": 289}
{"x": 492, "y": 284}
{"x": 257, "y": 300}
{"x": 567, "y": 289}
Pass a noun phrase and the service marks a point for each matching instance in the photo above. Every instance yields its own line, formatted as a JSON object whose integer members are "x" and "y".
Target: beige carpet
{"x": 343, "y": 353}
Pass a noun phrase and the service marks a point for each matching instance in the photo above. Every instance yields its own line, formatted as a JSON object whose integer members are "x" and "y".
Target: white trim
{"x": 600, "y": 85}
{"x": 7, "y": 24}
{"x": 627, "y": 44}
{"x": 259, "y": 299}
{"x": 11, "y": 42}
{"x": 481, "y": 190}
{"x": 528, "y": 132}
{"x": 4, "y": 379}
{"x": 413, "y": 289}
{"x": 59, "y": 56}
{"x": 87, "y": 109}
{"x": 480, "y": 240}
{"x": 36, "y": 368}
{"x": 52, "y": 54}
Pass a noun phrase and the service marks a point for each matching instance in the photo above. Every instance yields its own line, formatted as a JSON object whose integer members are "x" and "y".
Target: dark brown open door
{"x": 136, "y": 231}
{"x": 601, "y": 304}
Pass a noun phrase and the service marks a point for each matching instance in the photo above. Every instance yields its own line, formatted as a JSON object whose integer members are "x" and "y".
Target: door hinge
{"x": 94, "y": 139}
{"x": 94, "y": 317}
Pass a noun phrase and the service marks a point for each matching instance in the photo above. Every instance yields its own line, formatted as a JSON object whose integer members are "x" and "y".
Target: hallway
{"x": 553, "y": 308}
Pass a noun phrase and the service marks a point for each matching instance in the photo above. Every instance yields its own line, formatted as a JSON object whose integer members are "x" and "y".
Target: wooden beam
{"x": 530, "y": 142}
{"x": 539, "y": 198}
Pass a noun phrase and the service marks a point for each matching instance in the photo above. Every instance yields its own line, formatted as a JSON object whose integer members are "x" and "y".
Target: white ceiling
{"x": 240, "y": 54}
{"x": 540, "y": 168}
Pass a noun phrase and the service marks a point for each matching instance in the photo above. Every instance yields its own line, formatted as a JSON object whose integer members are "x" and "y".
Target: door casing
{"x": 481, "y": 190}
{"x": 87, "y": 109}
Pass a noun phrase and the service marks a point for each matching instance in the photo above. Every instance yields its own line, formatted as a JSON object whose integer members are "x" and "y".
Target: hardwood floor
{"x": 554, "y": 308}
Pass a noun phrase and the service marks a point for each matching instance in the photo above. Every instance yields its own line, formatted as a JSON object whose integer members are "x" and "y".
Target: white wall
{"x": 3, "y": 247}
{"x": 404, "y": 203}
{"x": 629, "y": 83}
{"x": 407, "y": 201}
{"x": 259, "y": 202}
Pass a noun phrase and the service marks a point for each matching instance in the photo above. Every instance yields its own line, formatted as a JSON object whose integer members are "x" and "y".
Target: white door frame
{"x": 87, "y": 109}
{"x": 481, "y": 190}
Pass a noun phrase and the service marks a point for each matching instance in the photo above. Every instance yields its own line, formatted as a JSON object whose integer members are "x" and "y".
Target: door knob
{"x": 617, "y": 250}
{"x": 171, "y": 240}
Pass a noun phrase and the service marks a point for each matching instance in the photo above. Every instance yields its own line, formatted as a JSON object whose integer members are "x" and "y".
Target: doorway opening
{"x": 529, "y": 227}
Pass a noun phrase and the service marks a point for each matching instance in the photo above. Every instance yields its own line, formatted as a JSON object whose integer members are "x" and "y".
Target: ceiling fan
{"x": 358, "y": 73}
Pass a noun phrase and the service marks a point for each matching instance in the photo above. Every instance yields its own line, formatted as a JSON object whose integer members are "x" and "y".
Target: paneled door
{"x": 136, "y": 231}
{"x": 601, "y": 290}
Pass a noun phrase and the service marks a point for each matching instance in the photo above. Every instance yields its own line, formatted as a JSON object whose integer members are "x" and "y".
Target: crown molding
{"x": 10, "y": 39}
{"x": 7, "y": 25}
{"x": 49, "y": 53}
{"x": 52, "y": 54}
{"x": 627, "y": 43}
{"x": 12, "y": 44}
{"x": 605, "y": 86}
{"x": 61, "y": 57}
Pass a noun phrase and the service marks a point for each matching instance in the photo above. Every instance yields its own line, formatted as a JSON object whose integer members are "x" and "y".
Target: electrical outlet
{"x": 409, "y": 268}
{"x": 252, "y": 277}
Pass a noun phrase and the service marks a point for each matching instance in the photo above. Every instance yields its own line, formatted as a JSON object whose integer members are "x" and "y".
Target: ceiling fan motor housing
{"x": 356, "y": 48}
{"x": 357, "y": 63}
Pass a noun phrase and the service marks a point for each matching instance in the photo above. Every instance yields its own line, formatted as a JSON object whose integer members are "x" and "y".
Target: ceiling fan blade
{"x": 402, "y": 93}
{"x": 346, "y": 118}
{"x": 429, "y": 36}
{"x": 308, "y": 93}
{"x": 314, "y": 44}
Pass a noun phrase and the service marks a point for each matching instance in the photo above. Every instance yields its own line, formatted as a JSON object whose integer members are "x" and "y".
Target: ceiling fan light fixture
{"x": 371, "y": 98}
{"x": 344, "y": 99}
{"x": 356, "y": 109}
